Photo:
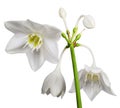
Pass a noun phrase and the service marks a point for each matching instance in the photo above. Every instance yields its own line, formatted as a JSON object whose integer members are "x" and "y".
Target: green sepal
{"x": 77, "y": 45}
{"x": 75, "y": 29}
{"x": 78, "y": 37}
{"x": 63, "y": 35}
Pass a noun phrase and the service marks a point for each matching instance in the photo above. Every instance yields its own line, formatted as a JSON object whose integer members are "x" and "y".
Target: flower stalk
{"x": 76, "y": 78}
{"x": 93, "y": 58}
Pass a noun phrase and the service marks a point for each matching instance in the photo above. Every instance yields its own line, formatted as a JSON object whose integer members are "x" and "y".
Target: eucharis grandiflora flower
{"x": 54, "y": 83}
{"x": 93, "y": 80}
{"x": 39, "y": 42}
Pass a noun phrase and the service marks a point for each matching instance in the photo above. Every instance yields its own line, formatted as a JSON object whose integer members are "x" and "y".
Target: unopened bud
{"x": 75, "y": 29}
{"x": 62, "y": 13}
{"x": 77, "y": 37}
{"x": 63, "y": 35}
{"x": 88, "y": 21}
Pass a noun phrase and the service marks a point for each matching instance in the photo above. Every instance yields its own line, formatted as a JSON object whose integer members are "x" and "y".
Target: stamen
{"x": 95, "y": 77}
{"x": 34, "y": 41}
{"x": 89, "y": 76}
{"x": 92, "y": 77}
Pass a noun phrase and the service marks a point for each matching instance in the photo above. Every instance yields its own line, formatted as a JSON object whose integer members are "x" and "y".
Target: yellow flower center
{"x": 89, "y": 76}
{"x": 92, "y": 77}
{"x": 34, "y": 41}
{"x": 95, "y": 77}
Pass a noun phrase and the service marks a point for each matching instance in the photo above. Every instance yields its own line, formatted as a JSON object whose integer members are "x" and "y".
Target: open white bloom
{"x": 92, "y": 81}
{"x": 88, "y": 21}
{"x": 54, "y": 83}
{"x": 39, "y": 42}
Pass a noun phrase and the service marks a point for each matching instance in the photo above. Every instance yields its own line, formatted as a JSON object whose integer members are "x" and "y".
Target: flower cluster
{"x": 39, "y": 42}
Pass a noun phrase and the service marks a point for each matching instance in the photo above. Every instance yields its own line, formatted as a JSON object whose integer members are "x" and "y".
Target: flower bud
{"x": 88, "y": 22}
{"x": 78, "y": 37}
{"x": 62, "y": 13}
{"x": 63, "y": 35}
{"x": 75, "y": 29}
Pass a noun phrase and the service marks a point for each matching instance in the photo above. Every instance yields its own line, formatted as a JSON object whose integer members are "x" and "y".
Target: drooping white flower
{"x": 54, "y": 83}
{"x": 88, "y": 21}
{"x": 39, "y": 42}
{"x": 92, "y": 81}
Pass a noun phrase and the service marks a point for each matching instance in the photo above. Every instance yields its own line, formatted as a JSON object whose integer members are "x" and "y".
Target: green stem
{"x": 76, "y": 78}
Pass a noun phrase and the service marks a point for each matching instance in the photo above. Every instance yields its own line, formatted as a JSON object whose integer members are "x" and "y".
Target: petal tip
{"x": 6, "y": 24}
{"x": 71, "y": 91}
{"x": 8, "y": 50}
{"x": 34, "y": 69}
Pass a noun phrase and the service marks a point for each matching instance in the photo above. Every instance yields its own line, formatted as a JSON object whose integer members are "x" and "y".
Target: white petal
{"x": 92, "y": 69}
{"x": 106, "y": 85}
{"x": 58, "y": 88}
{"x": 88, "y": 22}
{"x": 16, "y": 44}
{"x": 50, "y": 50}
{"x": 35, "y": 27}
{"x": 18, "y": 26}
{"x": 46, "y": 85}
{"x": 35, "y": 58}
{"x": 81, "y": 79}
{"x": 64, "y": 89}
{"x": 51, "y": 32}
{"x": 105, "y": 79}
{"x": 92, "y": 89}
{"x": 72, "y": 89}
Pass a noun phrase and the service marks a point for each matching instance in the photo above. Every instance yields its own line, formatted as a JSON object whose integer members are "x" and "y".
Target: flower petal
{"x": 35, "y": 26}
{"x": 35, "y": 58}
{"x": 16, "y": 44}
{"x": 47, "y": 83}
{"x": 51, "y": 32}
{"x": 92, "y": 89}
{"x": 50, "y": 50}
{"x": 18, "y": 26}
{"x": 58, "y": 88}
{"x": 106, "y": 85}
{"x": 81, "y": 79}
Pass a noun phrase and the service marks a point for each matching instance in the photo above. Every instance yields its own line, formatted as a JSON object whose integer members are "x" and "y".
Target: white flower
{"x": 54, "y": 83}
{"x": 39, "y": 42}
{"x": 92, "y": 81}
{"x": 88, "y": 21}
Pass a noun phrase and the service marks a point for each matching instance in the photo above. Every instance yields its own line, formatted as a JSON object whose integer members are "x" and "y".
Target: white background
{"x": 20, "y": 87}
